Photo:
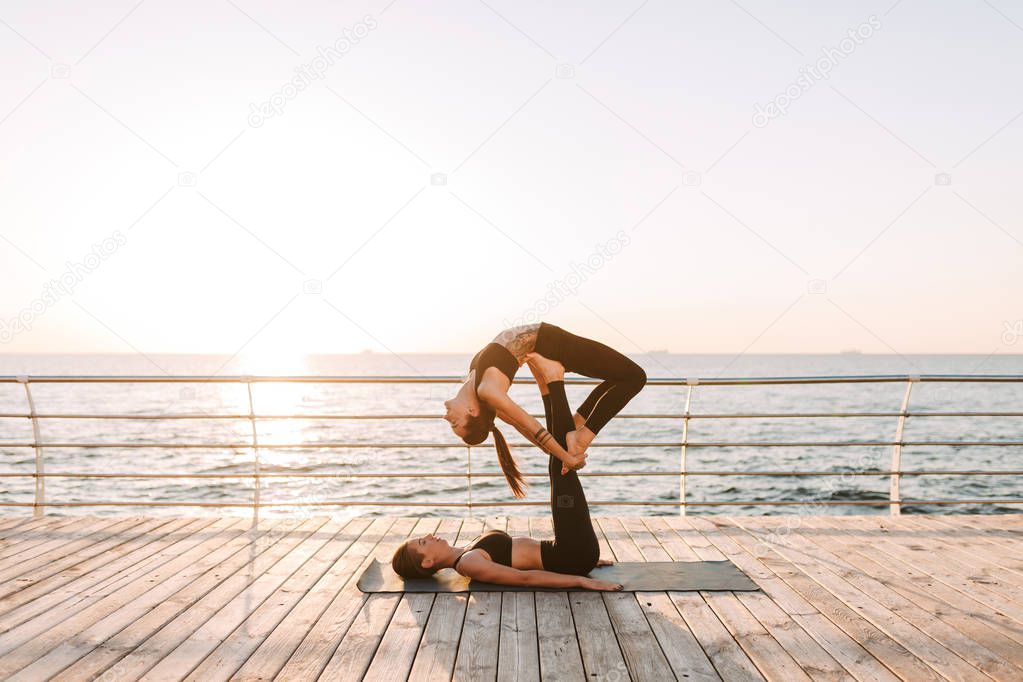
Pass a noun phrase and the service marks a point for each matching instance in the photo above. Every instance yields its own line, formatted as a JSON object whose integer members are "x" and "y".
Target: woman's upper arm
{"x": 479, "y": 568}
{"x": 508, "y": 410}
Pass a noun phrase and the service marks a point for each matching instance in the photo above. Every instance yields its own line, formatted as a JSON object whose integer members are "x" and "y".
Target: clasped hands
{"x": 576, "y": 457}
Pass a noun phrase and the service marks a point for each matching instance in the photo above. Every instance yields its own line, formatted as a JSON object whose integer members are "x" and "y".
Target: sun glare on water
{"x": 279, "y": 399}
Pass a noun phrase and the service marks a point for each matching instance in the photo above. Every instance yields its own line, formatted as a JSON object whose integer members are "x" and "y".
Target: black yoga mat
{"x": 636, "y": 576}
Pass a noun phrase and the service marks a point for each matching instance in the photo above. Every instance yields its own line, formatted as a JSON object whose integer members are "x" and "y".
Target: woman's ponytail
{"x": 508, "y": 466}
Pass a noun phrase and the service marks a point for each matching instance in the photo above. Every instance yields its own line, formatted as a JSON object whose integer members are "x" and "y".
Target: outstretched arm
{"x": 510, "y": 412}
{"x": 479, "y": 568}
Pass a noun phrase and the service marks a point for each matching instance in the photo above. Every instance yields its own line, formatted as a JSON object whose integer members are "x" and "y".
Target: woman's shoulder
{"x": 470, "y": 557}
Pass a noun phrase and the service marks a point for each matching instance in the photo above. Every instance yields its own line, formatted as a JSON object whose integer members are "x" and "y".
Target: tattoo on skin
{"x": 519, "y": 340}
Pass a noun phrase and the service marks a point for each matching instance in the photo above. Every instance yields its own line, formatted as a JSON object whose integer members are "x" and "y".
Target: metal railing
{"x": 895, "y": 500}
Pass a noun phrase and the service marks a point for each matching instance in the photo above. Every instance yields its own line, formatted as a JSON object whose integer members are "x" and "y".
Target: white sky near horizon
{"x": 320, "y": 231}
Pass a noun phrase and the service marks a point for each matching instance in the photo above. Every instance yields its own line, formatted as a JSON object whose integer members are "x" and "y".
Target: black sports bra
{"x": 496, "y": 543}
{"x": 493, "y": 355}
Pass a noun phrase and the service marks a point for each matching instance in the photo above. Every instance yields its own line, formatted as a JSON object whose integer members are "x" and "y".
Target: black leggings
{"x": 622, "y": 377}
{"x": 574, "y": 549}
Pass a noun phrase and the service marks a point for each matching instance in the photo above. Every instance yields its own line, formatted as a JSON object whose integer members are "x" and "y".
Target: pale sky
{"x": 455, "y": 163}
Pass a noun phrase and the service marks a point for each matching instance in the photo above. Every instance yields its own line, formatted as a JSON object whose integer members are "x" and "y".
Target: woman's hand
{"x": 601, "y": 585}
{"x": 573, "y": 461}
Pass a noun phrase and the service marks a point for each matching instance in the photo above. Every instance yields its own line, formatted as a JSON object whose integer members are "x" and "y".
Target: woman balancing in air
{"x": 495, "y": 556}
{"x": 484, "y": 395}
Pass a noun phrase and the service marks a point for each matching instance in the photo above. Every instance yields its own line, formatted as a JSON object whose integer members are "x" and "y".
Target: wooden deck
{"x": 861, "y": 597}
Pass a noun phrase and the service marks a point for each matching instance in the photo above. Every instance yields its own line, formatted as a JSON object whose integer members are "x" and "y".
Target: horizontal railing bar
{"x": 449, "y": 379}
{"x": 312, "y": 416}
{"x": 462, "y": 474}
{"x": 605, "y": 503}
{"x": 665, "y": 444}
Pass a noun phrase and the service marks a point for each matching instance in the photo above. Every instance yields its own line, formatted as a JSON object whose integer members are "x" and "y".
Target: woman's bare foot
{"x": 550, "y": 370}
{"x": 579, "y": 440}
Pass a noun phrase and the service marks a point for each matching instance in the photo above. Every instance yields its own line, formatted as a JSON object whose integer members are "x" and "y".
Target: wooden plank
{"x": 766, "y": 652}
{"x": 251, "y": 564}
{"x": 477, "y": 653}
{"x": 640, "y": 647}
{"x": 37, "y": 549}
{"x": 987, "y": 534}
{"x": 228, "y": 656}
{"x": 1003, "y": 560}
{"x": 1002, "y": 525}
{"x": 982, "y": 598}
{"x": 393, "y": 658}
{"x": 557, "y": 642}
{"x": 273, "y": 653}
{"x": 966, "y": 579}
{"x": 37, "y": 531}
{"x": 400, "y": 637}
{"x": 117, "y": 539}
{"x": 901, "y": 645}
{"x": 885, "y": 649}
{"x": 598, "y": 642}
{"x": 932, "y": 598}
{"x": 963, "y": 535}
{"x": 777, "y": 598}
{"x": 367, "y": 635}
{"x": 557, "y": 645}
{"x": 7, "y": 521}
{"x": 38, "y": 637}
{"x": 361, "y": 640}
{"x": 481, "y": 631}
{"x": 969, "y": 650}
{"x": 435, "y": 656}
{"x": 320, "y": 652}
{"x": 730, "y": 661}
{"x": 756, "y": 615}
{"x": 518, "y": 650}
{"x": 158, "y": 604}
{"x": 52, "y": 608}
{"x": 355, "y": 654}
{"x": 18, "y": 525}
{"x": 518, "y": 653}
{"x": 681, "y": 648}
{"x": 47, "y": 590}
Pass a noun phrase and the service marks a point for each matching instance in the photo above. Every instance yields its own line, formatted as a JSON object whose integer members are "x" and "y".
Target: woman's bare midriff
{"x": 526, "y": 553}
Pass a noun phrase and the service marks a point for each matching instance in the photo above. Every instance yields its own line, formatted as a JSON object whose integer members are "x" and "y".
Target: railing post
{"x": 39, "y": 503}
{"x": 255, "y": 449}
{"x": 468, "y": 476}
{"x": 690, "y": 385}
{"x": 895, "y": 494}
